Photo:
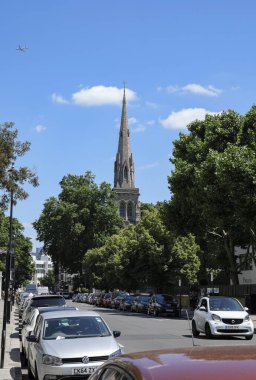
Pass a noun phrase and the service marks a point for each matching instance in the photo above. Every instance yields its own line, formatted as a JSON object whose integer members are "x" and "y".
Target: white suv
{"x": 222, "y": 316}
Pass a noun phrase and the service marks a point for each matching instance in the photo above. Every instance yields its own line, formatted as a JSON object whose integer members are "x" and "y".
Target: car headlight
{"x": 247, "y": 318}
{"x": 116, "y": 353}
{"x": 51, "y": 360}
{"x": 215, "y": 317}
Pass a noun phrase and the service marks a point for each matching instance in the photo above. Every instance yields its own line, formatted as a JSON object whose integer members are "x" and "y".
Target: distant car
{"x": 222, "y": 316}
{"x": 140, "y": 303}
{"x": 70, "y": 344}
{"x": 43, "y": 301}
{"x": 125, "y": 303}
{"x": 194, "y": 363}
{"x": 29, "y": 324}
{"x": 163, "y": 304}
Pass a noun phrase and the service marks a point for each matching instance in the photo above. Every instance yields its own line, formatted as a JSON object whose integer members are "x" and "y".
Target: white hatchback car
{"x": 216, "y": 316}
{"x": 66, "y": 344}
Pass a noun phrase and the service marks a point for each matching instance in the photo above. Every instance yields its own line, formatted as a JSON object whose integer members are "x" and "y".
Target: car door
{"x": 35, "y": 349}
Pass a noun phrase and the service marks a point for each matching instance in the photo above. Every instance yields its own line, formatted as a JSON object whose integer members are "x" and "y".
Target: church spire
{"x": 127, "y": 195}
{"x": 124, "y": 166}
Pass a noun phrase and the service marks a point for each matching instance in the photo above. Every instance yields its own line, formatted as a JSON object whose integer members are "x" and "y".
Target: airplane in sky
{"x": 22, "y": 48}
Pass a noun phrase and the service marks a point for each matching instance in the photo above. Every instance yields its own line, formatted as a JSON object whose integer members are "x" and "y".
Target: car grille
{"x": 232, "y": 321}
{"x": 79, "y": 360}
{"x": 232, "y": 331}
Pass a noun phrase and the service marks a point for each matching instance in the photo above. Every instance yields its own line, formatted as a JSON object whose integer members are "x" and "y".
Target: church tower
{"x": 127, "y": 194}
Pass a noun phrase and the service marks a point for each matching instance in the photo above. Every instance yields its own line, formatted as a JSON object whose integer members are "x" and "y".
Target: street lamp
{"x": 7, "y": 303}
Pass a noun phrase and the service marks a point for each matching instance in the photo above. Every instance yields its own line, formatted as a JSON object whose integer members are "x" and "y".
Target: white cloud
{"x": 139, "y": 128}
{"x": 132, "y": 120}
{"x": 201, "y": 90}
{"x": 56, "y": 98}
{"x": 150, "y": 122}
{"x": 102, "y": 95}
{"x": 192, "y": 88}
{"x": 148, "y": 166}
{"x": 40, "y": 128}
{"x": 180, "y": 119}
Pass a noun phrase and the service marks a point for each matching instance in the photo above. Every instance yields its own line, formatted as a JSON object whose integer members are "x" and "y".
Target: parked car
{"x": 222, "y": 316}
{"x": 70, "y": 343}
{"x": 126, "y": 302}
{"x": 107, "y": 300}
{"x": 163, "y": 304}
{"x": 29, "y": 324}
{"x": 194, "y": 363}
{"x": 140, "y": 303}
{"x": 116, "y": 298}
{"x": 43, "y": 301}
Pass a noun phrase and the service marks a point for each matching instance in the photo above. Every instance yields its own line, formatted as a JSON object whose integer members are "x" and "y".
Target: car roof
{"x": 195, "y": 363}
{"x": 69, "y": 313}
{"x": 43, "y": 296}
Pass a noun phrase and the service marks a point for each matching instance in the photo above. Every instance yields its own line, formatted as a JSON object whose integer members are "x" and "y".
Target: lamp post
{"x": 180, "y": 295}
{"x": 7, "y": 303}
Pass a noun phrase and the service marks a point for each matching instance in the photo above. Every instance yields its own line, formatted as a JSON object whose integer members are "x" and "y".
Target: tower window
{"x": 125, "y": 173}
{"x": 122, "y": 209}
{"x": 129, "y": 211}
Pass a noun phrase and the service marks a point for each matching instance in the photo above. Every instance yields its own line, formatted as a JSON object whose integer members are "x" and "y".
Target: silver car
{"x": 70, "y": 343}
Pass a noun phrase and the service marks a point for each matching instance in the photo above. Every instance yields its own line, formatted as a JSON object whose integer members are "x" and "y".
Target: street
{"x": 142, "y": 332}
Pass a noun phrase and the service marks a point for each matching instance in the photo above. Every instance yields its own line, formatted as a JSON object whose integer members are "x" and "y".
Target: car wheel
{"x": 30, "y": 374}
{"x": 208, "y": 332}
{"x": 195, "y": 332}
{"x": 248, "y": 337}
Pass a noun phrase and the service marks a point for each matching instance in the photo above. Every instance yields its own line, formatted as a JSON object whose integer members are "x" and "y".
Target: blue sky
{"x": 180, "y": 59}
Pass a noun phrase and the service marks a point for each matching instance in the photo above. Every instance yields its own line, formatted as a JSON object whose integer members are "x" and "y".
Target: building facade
{"x": 127, "y": 195}
{"x": 43, "y": 264}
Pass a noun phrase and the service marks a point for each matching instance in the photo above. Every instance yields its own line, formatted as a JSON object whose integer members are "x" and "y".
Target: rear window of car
{"x": 51, "y": 301}
{"x": 166, "y": 298}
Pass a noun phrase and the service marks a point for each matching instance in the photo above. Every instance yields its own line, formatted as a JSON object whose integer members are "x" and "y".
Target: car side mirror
{"x": 116, "y": 333}
{"x": 202, "y": 308}
{"x": 246, "y": 309}
{"x": 31, "y": 338}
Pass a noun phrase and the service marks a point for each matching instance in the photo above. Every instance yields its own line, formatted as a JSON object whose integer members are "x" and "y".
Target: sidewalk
{"x": 12, "y": 365}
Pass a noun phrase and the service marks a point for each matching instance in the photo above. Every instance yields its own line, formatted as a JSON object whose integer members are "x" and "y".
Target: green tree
{"x": 143, "y": 256}
{"x": 81, "y": 218}
{"x": 213, "y": 187}
{"x": 24, "y": 265}
{"x": 11, "y": 177}
{"x": 48, "y": 280}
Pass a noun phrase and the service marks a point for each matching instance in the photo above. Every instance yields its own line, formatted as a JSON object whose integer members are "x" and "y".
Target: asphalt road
{"x": 142, "y": 332}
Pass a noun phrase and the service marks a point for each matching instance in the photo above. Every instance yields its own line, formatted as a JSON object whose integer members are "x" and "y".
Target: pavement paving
{"x": 12, "y": 362}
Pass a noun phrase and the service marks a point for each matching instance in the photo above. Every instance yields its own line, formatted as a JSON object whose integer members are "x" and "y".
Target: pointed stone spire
{"x": 127, "y": 195}
{"x": 124, "y": 165}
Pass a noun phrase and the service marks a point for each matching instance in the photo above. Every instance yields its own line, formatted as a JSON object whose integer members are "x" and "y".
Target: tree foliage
{"x": 21, "y": 248}
{"x": 12, "y": 177}
{"x": 81, "y": 218}
{"x": 213, "y": 186}
{"x": 143, "y": 256}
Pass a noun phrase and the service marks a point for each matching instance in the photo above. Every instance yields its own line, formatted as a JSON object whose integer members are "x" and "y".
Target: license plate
{"x": 231, "y": 327}
{"x": 82, "y": 370}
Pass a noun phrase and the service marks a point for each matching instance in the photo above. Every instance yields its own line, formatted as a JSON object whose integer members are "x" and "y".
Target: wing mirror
{"x": 116, "y": 333}
{"x": 31, "y": 338}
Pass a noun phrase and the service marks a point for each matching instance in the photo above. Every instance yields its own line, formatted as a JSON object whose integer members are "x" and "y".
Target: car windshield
{"x": 144, "y": 298}
{"x": 51, "y": 301}
{"x": 75, "y": 327}
{"x": 165, "y": 298}
{"x": 224, "y": 304}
